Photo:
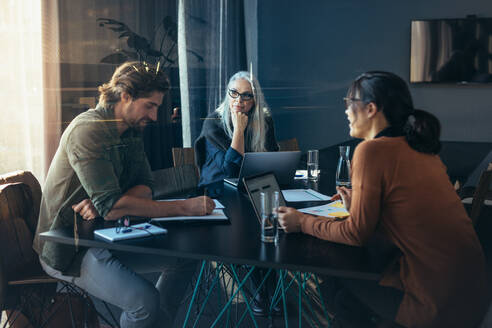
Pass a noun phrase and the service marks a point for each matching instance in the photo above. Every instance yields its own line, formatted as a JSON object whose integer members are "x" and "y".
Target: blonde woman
{"x": 242, "y": 123}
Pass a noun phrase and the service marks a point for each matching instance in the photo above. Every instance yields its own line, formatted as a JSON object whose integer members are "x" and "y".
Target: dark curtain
{"x": 160, "y": 137}
{"x": 216, "y": 43}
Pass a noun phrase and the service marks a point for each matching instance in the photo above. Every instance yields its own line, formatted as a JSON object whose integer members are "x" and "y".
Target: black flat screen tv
{"x": 451, "y": 51}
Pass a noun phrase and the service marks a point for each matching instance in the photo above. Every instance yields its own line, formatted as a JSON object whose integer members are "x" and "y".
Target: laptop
{"x": 265, "y": 182}
{"x": 282, "y": 163}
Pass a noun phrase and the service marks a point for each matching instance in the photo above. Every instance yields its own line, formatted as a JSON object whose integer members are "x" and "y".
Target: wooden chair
{"x": 175, "y": 181}
{"x": 288, "y": 145}
{"x": 183, "y": 156}
{"x": 26, "y": 291}
{"x": 35, "y": 189}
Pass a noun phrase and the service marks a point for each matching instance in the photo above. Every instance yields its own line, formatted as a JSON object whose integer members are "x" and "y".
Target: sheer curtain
{"x": 21, "y": 87}
{"x": 84, "y": 43}
{"x": 215, "y": 30}
{"x": 51, "y": 80}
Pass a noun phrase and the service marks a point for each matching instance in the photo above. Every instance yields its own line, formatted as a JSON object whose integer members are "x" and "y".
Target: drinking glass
{"x": 343, "y": 168}
{"x": 268, "y": 218}
{"x": 312, "y": 165}
{"x": 275, "y": 205}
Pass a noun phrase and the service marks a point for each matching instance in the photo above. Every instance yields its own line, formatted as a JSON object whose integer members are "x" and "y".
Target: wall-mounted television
{"x": 451, "y": 51}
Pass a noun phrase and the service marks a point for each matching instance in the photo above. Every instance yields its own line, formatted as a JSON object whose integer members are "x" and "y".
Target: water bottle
{"x": 343, "y": 168}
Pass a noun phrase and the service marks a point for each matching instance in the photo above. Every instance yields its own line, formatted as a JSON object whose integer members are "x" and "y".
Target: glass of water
{"x": 312, "y": 164}
{"x": 268, "y": 217}
{"x": 343, "y": 168}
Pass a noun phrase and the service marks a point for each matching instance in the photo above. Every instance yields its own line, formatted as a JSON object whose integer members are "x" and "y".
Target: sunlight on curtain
{"x": 21, "y": 90}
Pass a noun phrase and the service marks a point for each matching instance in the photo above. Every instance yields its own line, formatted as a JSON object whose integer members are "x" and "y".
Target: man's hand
{"x": 239, "y": 121}
{"x": 86, "y": 210}
{"x": 202, "y": 205}
{"x": 346, "y": 195}
{"x": 289, "y": 219}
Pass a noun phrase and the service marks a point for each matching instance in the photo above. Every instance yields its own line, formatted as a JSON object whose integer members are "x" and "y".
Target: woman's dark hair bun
{"x": 422, "y": 131}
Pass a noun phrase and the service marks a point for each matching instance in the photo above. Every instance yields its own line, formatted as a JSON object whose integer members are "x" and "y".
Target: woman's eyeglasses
{"x": 246, "y": 96}
{"x": 349, "y": 100}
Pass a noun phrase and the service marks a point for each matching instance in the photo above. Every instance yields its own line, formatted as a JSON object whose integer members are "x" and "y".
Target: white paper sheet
{"x": 217, "y": 215}
{"x": 301, "y": 174}
{"x": 303, "y": 195}
{"x": 218, "y": 205}
{"x": 334, "y": 209}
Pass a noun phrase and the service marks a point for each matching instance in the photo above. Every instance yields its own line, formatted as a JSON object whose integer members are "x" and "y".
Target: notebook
{"x": 281, "y": 163}
{"x": 217, "y": 215}
{"x": 131, "y": 232}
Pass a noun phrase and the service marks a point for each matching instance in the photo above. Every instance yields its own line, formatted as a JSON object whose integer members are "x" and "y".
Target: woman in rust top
{"x": 400, "y": 190}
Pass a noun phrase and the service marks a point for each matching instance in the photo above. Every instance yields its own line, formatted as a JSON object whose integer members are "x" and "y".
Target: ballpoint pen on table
{"x": 335, "y": 197}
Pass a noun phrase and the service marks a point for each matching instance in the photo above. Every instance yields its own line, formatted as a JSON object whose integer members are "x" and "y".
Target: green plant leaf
{"x": 194, "y": 53}
{"x": 125, "y": 34}
{"x": 130, "y": 54}
{"x": 118, "y": 29}
{"x": 154, "y": 53}
{"x": 116, "y": 58}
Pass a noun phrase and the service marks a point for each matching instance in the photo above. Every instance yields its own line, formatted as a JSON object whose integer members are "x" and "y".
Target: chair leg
{"x": 71, "y": 288}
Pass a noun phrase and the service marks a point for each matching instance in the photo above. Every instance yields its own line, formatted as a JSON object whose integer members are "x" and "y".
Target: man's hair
{"x": 138, "y": 79}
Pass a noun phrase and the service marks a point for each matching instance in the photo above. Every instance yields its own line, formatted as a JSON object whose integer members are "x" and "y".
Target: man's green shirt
{"x": 92, "y": 161}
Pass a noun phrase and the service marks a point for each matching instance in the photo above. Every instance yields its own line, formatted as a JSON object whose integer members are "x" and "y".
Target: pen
{"x": 335, "y": 197}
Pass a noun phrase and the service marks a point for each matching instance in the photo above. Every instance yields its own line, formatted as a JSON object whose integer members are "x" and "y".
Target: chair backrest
{"x": 29, "y": 179}
{"x": 175, "y": 181}
{"x": 17, "y": 256}
{"x": 482, "y": 192}
{"x": 183, "y": 156}
{"x": 288, "y": 145}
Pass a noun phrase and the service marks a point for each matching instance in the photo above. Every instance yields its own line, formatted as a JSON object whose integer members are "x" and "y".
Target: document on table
{"x": 218, "y": 205}
{"x": 334, "y": 210}
{"x": 301, "y": 174}
{"x": 216, "y": 216}
{"x": 131, "y": 232}
{"x": 303, "y": 195}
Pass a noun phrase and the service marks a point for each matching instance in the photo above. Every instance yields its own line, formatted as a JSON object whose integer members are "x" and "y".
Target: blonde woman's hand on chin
{"x": 290, "y": 219}
{"x": 239, "y": 121}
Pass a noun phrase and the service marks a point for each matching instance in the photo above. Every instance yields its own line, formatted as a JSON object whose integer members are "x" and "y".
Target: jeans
{"x": 112, "y": 276}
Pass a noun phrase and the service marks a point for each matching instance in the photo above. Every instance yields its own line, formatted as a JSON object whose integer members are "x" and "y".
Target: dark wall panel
{"x": 309, "y": 52}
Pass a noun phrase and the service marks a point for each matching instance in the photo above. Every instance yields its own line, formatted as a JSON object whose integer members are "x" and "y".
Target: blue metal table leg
{"x": 299, "y": 298}
{"x": 286, "y": 317}
{"x": 254, "y": 295}
{"x": 307, "y": 297}
{"x": 232, "y": 297}
{"x": 244, "y": 296}
{"x": 211, "y": 288}
{"x": 197, "y": 286}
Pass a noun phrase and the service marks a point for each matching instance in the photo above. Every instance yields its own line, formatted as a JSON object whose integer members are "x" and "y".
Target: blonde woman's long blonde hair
{"x": 255, "y": 136}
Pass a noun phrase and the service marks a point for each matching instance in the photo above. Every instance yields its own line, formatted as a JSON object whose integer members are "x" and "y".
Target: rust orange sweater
{"x": 408, "y": 196}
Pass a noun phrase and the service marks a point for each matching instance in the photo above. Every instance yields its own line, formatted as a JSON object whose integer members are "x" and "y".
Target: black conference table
{"x": 238, "y": 241}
